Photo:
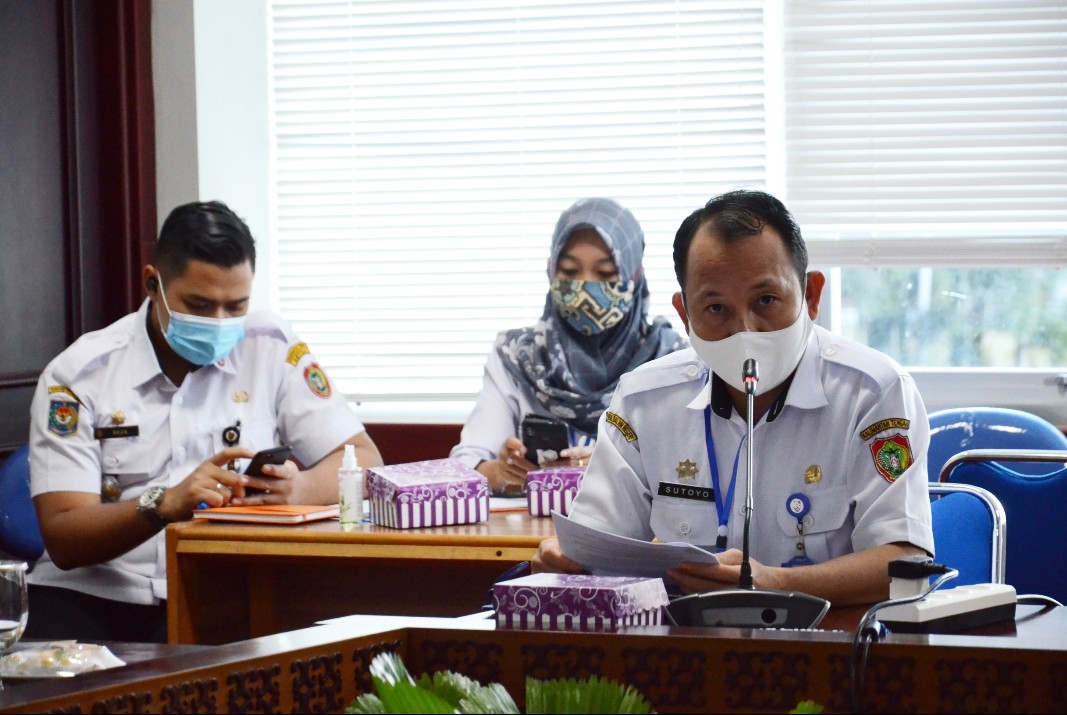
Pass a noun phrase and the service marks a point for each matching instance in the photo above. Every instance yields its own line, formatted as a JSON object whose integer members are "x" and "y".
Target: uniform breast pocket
{"x": 125, "y": 460}
{"x": 824, "y": 535}
{"x": 688, "y": 520}
{"x": 255, "y": 434}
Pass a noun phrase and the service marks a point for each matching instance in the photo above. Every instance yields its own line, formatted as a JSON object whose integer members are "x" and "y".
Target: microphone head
{"x": 750, "y": 375}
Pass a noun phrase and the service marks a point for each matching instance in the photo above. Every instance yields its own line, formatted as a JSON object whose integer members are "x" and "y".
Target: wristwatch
{"x": 148, "y": 505}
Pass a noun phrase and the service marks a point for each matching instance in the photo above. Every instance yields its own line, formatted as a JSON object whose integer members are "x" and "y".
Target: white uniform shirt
{"x": 848, "y": 410}
{"x": 497, "y": 415}
{"x": 92, "y": 396}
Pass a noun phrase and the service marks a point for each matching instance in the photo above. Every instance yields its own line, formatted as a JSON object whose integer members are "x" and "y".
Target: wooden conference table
{"x": 1014, "y": 667}
{"x": 230, "y": 582}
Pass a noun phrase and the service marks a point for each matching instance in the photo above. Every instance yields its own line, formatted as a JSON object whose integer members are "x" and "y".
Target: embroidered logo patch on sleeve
{"x": 63, "y": 418}
{"x": 316, "y": 380}
{"x": 296, "y": 352}
{"x": 897, "y": 422}
{"x": 63, "y": 390}
{"x": 892, "y": 456}
{"x": 623, "y": 425}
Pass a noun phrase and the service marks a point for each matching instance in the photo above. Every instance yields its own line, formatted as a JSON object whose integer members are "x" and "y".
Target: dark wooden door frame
{"x": 109, "y": 156}
{"x": 107, "y": 199}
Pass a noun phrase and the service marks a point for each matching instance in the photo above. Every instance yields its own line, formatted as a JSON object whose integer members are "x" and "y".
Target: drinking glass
{"x": 14, "y": 604}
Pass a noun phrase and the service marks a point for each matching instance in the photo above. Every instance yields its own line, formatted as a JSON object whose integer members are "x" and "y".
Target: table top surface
{"x": 504, "y": 528}
{"x": 1035, "y": 629}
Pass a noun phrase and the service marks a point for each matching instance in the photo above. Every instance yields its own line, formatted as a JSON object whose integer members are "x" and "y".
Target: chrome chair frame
{"x": 1055, "y": 458}
{"x": 998, "y": 558}
{"x": 1051, "y": 456}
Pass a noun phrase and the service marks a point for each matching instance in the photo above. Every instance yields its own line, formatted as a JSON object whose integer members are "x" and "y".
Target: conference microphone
{"x": 750, "y": 376}
{"x": 746, "y": 606}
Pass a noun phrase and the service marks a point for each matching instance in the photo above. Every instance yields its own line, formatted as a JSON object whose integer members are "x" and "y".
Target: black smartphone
{"x": 274, "y": 455}
{"x": 544, "y": 438}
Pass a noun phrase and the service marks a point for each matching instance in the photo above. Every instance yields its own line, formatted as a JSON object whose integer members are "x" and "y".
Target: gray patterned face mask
{"x": 591, "y": 307}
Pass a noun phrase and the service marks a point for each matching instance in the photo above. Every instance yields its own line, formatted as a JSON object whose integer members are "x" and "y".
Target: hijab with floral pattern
{"x": 573, "y": 374}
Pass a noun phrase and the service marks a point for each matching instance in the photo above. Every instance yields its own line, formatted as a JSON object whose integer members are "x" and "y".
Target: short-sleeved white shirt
{"x": 851, "y": 436}
{"x": 107, "y": 385}
{"x": 498, "y": 411}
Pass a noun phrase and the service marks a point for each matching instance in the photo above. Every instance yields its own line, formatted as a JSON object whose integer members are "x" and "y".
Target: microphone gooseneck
{"x": 746, "y": 606}
{"x": 750, "y": 375}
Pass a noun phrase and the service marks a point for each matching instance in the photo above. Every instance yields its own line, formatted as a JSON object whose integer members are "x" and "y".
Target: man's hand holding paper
{"x": 579, "y": 547}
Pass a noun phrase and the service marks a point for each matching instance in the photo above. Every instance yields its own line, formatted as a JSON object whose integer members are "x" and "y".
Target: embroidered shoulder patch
{"x": 316, "y": 380}
{"x": 623, "y": 425}
{"x": 296, "y": 352}
{"x": 892, "y": 456}
{"x": 898, "y": 422}
{"x": 64, "y": 390}
{"x": 63, "y": 418}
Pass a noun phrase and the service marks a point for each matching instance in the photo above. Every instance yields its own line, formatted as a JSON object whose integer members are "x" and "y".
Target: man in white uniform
{"x": 840, "y": 437}
{"x": 135, "y": 425}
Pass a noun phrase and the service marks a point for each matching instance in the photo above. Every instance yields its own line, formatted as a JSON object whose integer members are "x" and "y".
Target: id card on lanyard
{"x": 723, "y": 505}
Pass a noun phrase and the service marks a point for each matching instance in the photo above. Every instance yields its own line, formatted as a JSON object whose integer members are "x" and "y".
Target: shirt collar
{"x": 803, "y": 389}
{"x": 145, "y": 363}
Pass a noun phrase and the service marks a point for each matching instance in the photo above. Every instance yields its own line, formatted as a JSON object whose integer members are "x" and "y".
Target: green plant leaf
{"x": 594, "y": 695}
{"x": 807, "y": 706}
{"x": 366, "y": 704}
{"x": 467, "y": 695}
{"x": 451, "y": 687}
{"x": 397, "y": 690}
{"x": 410, "y": 698}
{"x": 492, "y": 698}
{"x": 389, "y": 668}
{"x": 449, "y": 692}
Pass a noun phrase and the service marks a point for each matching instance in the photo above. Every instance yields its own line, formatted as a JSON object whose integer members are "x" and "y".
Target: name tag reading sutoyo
{"x": 686, "y": 491}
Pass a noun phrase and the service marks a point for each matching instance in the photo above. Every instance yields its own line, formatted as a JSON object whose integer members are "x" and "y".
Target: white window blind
{"x": 928, "y": 133}
{"x": 423, "y": 151}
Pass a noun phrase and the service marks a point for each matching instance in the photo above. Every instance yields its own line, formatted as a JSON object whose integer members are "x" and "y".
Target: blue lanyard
{"x": 722, "y": 506}
{"x": 576, "y": 439}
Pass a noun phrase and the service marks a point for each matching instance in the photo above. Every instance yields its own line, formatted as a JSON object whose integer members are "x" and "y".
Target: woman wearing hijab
{"x": 593, "y": 329}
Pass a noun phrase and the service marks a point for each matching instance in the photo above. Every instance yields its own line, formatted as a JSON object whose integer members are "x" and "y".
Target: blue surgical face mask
{"x": 592, "y": 307}
{"x": 201, "y": 341}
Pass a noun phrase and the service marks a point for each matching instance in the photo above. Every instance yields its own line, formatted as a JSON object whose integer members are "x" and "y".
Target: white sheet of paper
{"x": 604, "y": 554}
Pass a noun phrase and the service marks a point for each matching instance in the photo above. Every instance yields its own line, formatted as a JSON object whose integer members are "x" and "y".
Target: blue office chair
{"x": 960, "y": 429}
{"x": 970, "y": 527}
{"x": 20, "y": 535}
{"x": 1035, "y": 505}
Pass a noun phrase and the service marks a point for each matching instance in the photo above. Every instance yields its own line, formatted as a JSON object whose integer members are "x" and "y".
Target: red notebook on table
{"x": 269, "y": 513}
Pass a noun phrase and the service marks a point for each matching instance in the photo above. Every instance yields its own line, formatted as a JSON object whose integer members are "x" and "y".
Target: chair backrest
{"x": 969, "y": 532}
{"x": 960, "y": 429}
{"x": 1036, "y": 507}
{"x": 20, "y": 535}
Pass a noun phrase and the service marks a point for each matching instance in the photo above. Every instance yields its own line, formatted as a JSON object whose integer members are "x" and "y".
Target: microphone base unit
{"x": 744, "y": 608}
{"x": 953, "y": 609}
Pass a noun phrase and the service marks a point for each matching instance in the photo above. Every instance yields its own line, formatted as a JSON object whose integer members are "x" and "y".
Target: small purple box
{"x": 552, "y": 489}
{"x": 578, "y": 602}
{"x": 434, "y": 492}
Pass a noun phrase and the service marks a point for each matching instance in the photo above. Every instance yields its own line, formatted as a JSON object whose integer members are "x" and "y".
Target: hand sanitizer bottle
{"x": 350, "y": 489}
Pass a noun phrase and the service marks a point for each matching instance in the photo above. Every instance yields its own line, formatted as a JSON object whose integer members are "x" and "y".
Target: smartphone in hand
{"x": 274, "y": 455}
{"x": 544, "y": 438}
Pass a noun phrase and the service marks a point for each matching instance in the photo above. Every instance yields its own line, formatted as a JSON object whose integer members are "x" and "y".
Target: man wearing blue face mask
{"x": 840, "y": 436}
{"x": 135, "y": 425}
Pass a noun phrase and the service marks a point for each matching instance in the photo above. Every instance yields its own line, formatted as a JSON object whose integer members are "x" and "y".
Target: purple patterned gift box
{"x": 578, "y": 602}
{"x": 435, "y": 492}
{"x": 552, "y": 489}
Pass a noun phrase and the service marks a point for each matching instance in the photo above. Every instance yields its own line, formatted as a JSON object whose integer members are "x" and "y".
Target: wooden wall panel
{"x": 33, "y": 276}
{"x": 77, "y": 181}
